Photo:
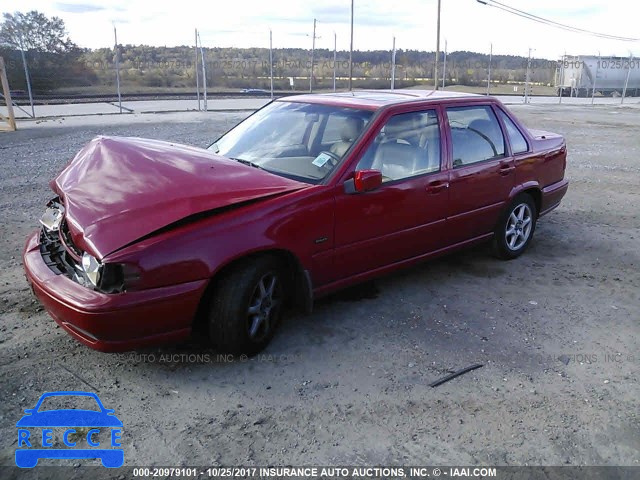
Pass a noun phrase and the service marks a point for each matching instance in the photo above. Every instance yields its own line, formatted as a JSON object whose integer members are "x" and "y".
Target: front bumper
{"x": 112, "y": 322}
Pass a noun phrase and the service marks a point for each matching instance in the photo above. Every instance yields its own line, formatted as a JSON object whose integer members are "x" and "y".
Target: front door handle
{"x": 436, "y": 187}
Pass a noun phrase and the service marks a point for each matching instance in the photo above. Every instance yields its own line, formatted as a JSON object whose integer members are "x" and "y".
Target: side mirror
{"x": 363, "y": 181}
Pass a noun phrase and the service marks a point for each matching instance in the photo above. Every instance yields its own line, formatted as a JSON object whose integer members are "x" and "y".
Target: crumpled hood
{"x": 117, "y": 190}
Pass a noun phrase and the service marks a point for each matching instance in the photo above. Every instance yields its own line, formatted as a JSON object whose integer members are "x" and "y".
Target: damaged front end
{"x": 63, "y": 257}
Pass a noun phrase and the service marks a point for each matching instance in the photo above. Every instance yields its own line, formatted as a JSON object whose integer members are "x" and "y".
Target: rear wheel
{"x": 515, "y": 227}
{"x": 246, "y": 305}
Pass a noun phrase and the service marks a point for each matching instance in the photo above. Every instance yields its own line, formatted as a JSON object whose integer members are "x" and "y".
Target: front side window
{"x": 406, "y": 146}
{"x": 303, "y": 141}
{"x": 516, "y": 139}
{"x": 475, "y": 134}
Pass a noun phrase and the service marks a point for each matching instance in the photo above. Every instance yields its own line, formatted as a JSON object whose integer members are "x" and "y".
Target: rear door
{"x": 482, "y": 171}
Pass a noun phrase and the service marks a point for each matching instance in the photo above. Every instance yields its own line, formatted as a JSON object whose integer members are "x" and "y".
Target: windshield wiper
{"x": 248, "y": 162}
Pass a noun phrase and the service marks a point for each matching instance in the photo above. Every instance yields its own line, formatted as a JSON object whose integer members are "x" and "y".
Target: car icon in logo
{"x": 42, "y": 430}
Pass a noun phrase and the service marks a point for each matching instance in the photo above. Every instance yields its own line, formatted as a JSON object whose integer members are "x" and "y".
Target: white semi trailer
{"x": 579, "y": 76}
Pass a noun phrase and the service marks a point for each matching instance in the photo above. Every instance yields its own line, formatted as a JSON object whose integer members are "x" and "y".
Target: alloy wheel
{"x": 518, "y": 227}
{"x": 263, "y": 307}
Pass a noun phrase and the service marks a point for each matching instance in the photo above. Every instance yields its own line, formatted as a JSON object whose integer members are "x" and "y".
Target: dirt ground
{"x": 557, "y": 331}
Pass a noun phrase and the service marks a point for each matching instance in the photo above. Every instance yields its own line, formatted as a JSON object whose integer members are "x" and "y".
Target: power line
{"x": 551, "y": 23}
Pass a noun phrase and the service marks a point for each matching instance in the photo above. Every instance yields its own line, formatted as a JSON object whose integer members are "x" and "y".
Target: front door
{"x": 404, "y": 217}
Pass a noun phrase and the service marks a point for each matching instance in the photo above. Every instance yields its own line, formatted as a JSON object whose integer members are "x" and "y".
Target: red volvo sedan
{"x": 146, "y": 240}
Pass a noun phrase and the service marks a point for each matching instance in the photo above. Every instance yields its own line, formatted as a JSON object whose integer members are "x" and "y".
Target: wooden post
{"x": 11, "y": 119}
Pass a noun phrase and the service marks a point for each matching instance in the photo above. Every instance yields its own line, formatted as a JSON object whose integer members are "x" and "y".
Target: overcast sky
{"x": 466, "y": 24}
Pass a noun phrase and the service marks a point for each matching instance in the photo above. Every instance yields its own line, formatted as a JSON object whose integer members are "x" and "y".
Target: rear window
{"x": 516, "y": 139}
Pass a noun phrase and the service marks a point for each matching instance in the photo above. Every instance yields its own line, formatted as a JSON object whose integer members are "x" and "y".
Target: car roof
{"x": 376, "y": 99}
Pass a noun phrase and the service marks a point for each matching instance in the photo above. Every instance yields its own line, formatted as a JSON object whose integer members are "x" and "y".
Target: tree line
{"x": 55, "y": 62}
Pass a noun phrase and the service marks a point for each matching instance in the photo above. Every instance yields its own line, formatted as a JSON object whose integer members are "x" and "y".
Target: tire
{"x": 515, "y": 228}
{"x": 246, "y": 305}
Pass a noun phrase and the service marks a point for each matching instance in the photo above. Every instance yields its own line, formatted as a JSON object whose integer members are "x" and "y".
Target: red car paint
{"x": 126, "y": 201}
{"x": 117, "y": 190}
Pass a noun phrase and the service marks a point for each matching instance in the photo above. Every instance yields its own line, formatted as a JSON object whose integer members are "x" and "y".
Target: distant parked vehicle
{"x": 255, "y": 91}
{"x": 17, "y": 93}
{"x": 312, "y": 193}
{"x": 580, "y": 76}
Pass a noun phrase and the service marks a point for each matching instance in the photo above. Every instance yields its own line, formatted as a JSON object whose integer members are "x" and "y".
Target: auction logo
{"x": 44, "y": 431}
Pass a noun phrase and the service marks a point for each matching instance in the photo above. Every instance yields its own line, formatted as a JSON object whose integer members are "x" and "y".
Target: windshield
{"x": 303, "y": 141}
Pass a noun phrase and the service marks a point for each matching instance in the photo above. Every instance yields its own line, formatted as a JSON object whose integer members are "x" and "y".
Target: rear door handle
{"x": 437, "y": 187}
{"x": 506, "y": 169}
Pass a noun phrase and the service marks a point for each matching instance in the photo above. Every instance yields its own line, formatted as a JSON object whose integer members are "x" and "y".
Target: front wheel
{"x": 246, "y": 306}
{"x": 515, "y": 227}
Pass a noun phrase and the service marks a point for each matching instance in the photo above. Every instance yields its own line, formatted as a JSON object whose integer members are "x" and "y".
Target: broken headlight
{"x": 92, "y": 268}
{"x": 53, "y": 215}
{"x": 109, "y": 277}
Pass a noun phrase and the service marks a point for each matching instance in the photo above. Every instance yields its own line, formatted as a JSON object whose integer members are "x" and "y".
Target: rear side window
{"x": 516, "y": 139}
{"x": 475, "y": 134}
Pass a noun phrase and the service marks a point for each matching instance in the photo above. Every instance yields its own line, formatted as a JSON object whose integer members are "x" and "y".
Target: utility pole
{"x": 197, "y": 75}
{"x": 444, "y": 66}
{"x": 393, "y": 65}
{"x": 271, "y": 60}
{"x": 204, "y": 74}
{"x": 435, "y": 69}
{"x": 626, "y": 82}
{"x": 313, "y": 51}
{"x": 6, "y": 94}
{"x": 564, "y": 58}
{"x": 117, "y": 55}
{"x": 27, "y": 78}
{"x": 526, "y": 79}
{"x": 351, "y": 53}
{"x": 595, "y": 77}
{"x": 335, "y": 56}
{"x": 489, "y": 73}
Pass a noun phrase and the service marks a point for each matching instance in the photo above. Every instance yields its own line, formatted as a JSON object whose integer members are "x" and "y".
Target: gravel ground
{"x": 557, "y": 332}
